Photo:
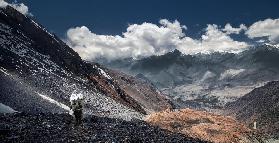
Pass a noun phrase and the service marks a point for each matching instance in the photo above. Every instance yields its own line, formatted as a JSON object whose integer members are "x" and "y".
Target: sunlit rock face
{"x": 204, "y": 125}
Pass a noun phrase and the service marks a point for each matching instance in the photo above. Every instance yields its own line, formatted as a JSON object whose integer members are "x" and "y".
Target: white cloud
{"x": 230, "y": 30}
{"x": 19, "y": 7}
{"x": 138, "y": 41}
{"x": 3, "y": 4}
{"x": 214, "y": 40}
{"x": 267, "y": 28}
{"x": 149, "y": 39}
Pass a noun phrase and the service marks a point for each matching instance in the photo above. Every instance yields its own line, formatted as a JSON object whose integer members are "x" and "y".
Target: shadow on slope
{"x": 49, "y": 127}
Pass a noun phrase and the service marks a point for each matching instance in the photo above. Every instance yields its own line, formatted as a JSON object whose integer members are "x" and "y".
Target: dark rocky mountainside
{"x": 59, "y": 128}
{"x": 46, "y": 71}
{"x": 261, "y": 106}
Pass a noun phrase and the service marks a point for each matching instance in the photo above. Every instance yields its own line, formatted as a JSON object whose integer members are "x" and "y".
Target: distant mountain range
{"x": 205, "y": 80}
{"x": 242, "y": 85}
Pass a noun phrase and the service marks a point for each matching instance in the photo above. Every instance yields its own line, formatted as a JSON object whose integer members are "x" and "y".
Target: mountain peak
{"x": 174, "y": 53}
{"x": 271, "y": 45}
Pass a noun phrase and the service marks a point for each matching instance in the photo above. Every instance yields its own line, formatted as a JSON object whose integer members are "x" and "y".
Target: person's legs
{"x": 78, "y": 117}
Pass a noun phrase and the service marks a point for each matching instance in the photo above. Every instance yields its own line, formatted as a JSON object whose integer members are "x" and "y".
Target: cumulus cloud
{"x": 230, "y": 30}
{"x": 3, "y": 3}
{"x": 214, "y": 40}
{"x": 138, "y": 41}
{"x": 148, "y": 39}
{"x": 267, "y": 28}
{"x": 19, "y": 7}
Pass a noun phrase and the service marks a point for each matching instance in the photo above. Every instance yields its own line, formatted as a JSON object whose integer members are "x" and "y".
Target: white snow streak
{"x": 4, "y": 71}
{"x": 6, "y": 109}
{"x": 55, "y": 102}
{"x": 104, "y": 73}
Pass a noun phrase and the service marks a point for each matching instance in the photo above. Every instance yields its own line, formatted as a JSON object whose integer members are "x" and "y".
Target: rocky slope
{"x": 143, "y": 91}
{"x": 59, "y": 128}
{"x": 39, "y": 72}
{"x": 261, "y": 106}
{"x": 203, "y": 125}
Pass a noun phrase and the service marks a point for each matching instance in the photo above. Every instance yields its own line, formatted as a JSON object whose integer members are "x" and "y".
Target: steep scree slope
{"x": 44, "y": 69}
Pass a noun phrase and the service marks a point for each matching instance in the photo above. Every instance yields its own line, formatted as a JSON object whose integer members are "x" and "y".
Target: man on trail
{"x": 76, "y": 107}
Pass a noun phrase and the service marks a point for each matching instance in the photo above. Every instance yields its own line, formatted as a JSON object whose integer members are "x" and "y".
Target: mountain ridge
{"x": 205, "y": 77}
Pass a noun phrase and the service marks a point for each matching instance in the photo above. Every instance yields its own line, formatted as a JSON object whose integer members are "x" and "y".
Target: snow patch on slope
{"x": 36, "y": 24}
{"x": 208, "y": 75}
{"x": 3, "y": 70}
{"x": 6, "y": 109}
{"x": 231, "y": 73}
{"x": 104, "y": 73}
{"x": 55, "y": 102}
{"x": 275, "y": 46}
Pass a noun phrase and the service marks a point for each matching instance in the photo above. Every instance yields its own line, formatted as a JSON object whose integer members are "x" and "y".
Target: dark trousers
{"x": 78, "y": 116}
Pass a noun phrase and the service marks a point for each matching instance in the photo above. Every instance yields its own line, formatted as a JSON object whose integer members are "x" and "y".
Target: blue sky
{"x": 113, "y": 16}
{"x": 114, "y": 29}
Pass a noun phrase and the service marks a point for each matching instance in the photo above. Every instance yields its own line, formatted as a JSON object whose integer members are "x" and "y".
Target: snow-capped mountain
{"x": 206, "y": 80}
{"x": 39, "y": 73}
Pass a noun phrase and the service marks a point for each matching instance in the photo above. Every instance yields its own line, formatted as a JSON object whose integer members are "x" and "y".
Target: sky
{"x": 140, "y": 28}
{"x": 112, "y": 16}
